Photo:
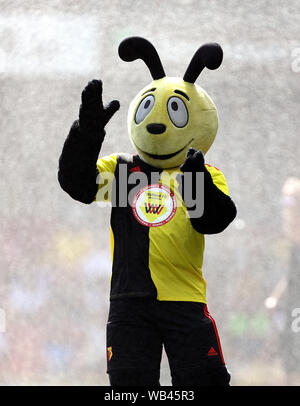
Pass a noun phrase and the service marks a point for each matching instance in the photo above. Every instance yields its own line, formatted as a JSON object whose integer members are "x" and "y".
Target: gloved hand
{"x": 93, "y": 116}
{"x": 194, "y": 161}
{"x": 218, "y": 209}
{"x": 78, "y": 171}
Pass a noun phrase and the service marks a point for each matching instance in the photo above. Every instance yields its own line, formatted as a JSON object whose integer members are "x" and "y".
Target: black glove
{"x": 193, "y": 163}
{"x": 78, "y": 172}
{"x": 93, "y": 116}
{"x": 219, "y": 209}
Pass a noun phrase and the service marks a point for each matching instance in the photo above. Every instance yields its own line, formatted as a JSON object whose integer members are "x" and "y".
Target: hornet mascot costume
{"x": 157, "y": 292}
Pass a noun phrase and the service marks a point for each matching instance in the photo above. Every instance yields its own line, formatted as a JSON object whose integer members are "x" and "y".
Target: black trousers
{"x": 137, "y": 330}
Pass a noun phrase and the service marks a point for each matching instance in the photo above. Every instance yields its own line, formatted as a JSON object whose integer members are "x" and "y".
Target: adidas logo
{"x": 212, "y": 351}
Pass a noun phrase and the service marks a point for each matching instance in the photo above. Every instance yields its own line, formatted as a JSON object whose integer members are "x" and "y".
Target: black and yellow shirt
{"x": 156, "y": 252}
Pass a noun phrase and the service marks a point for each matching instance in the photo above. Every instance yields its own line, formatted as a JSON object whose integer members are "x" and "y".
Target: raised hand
{"x": 194, "y": 161}
{"x": 219, "y": 210}
{"x": 190, "y": 186}
{"x": 93, "y": 116}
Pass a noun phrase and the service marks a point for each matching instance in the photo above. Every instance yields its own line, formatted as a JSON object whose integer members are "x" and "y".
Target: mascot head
{"x": 170, "y": 115}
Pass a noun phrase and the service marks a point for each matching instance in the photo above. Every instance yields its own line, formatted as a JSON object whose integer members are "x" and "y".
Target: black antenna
{"x": 133, "y": 48}
{"x": 207, "y": 56}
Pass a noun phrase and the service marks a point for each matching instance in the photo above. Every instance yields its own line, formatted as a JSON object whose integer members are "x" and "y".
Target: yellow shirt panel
{"x": 176, "y": 249}
{"x": 176, "y": 254}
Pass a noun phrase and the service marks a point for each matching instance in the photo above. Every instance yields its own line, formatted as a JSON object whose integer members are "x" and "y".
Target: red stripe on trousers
{"x": 206, "y": 312}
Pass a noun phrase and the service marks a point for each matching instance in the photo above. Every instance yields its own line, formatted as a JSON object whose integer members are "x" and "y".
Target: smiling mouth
{"x": 168, "y": 156}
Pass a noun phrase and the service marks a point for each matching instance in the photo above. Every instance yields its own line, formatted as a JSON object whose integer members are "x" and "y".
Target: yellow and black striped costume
{"x": 164, "y": 262}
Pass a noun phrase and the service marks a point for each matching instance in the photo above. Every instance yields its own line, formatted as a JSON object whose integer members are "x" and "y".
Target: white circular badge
{"x": 154, "y": 205}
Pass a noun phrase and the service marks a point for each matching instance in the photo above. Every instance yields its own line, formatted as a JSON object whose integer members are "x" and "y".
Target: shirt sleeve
{"x": 106, "y": 167}
{"x": 218, "y": 178}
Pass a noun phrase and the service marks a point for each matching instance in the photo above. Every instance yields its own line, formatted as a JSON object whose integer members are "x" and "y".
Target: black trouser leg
{"x": 134, "y": 344}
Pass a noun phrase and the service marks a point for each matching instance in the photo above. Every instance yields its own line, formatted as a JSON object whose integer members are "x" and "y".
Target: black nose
{"x": 156, "y": 128}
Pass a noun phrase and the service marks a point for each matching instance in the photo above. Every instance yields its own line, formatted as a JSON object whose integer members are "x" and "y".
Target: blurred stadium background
{"x": 55, "y": 252}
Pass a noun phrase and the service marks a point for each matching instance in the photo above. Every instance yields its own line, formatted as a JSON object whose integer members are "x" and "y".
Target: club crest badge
{"x": 154, "y": 205}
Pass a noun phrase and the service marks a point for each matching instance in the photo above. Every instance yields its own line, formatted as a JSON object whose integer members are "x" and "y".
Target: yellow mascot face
{"x": 170, "y": 115}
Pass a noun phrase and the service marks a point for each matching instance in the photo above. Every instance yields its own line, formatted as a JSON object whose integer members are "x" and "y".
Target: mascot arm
{"x": 219, "y": 209}
{"x": 78, "y": 171}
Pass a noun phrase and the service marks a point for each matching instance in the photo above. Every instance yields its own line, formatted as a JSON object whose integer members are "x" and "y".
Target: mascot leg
{"x": 134, "y": 344}
{"x": 192, "y": 344}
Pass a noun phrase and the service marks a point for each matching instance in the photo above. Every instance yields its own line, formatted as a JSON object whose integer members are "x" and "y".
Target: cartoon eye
{"x": 144, "y": 108}
{"x": 177, "y": 111}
